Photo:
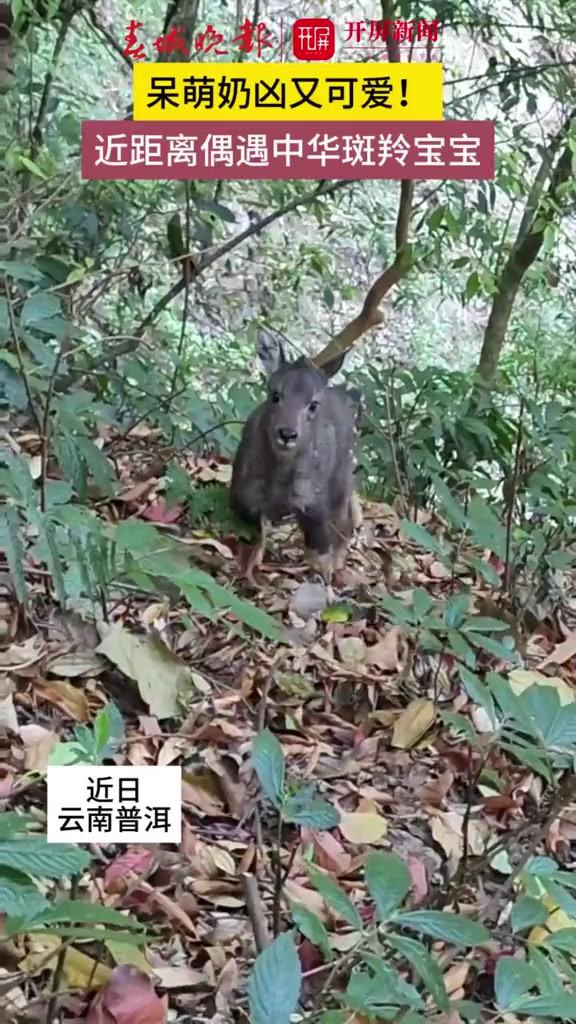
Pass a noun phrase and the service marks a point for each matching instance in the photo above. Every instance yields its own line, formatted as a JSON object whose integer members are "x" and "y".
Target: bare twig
{"x": 256, "y": 911}
{"x": 223, "y": 250}
{"x": 16, "y": 339}
{"x": 59, "y": 969}
{"x": 370, "y": 315}
{"x": 511, "y": 501}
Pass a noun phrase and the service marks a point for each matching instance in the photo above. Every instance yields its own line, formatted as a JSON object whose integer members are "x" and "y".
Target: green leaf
{"x": 455, "y": 611}
{"x": 31, "y": 166}
{"x": 512, "y": 978}
{"x": 564, "y": 940}
{"x": 472, "y": 285}
{"x": 274, "y": 985}
{"x": 176, "y": 247}
{"x": 95, "y": 932}
{"x": 18, "y": 895}
{"x": 478, "y": 692}
{"x": 451, "y": 506}
{"x": 387, "y": 880}
{"x": 11, "y": 545}
{"x": 311, "y": 927}
{"x": 418, "y": 533}
{"x": 426, "y": 967}
{"x": 79, "y": 912}
{"x": 20, "y": 271}
{"x": 47, "y": 860}
{"x": 526, "y": 913}
{"x": 39, "y": 306}
{"x": 499, "y": 650}
{"x": 269, "y": 765}
{"x": 402, "y": 992}
{"x": 563, "y": 1006}
{"x": 378, "y": 992}
{"x": 439, "y": 924}
{"x": 545, "y": 974}
{"x": 310, "y": 812}
{"x": 335, "y": 897}
{"x": 484, "y": 624}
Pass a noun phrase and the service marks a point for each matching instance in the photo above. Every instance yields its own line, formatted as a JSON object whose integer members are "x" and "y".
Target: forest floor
{"x": 360, "y": 711}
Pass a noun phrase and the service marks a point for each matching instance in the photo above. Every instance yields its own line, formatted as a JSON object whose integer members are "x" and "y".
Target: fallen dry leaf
{"x": 413, "y": 723}
{"x": 128, "y": 997}
{"x": 386, "y": 653}
{"x": 362, "y": 827}
{"x": 38, "y": 742}
{"x": 66, "y": 696}
{"x": 75, "y": 664}
{"x": 179, "y": 977}
{"x": 79, "y": 970}
{"x": 561, "y": 653}
{"x": 352, "y": 650}
{"x": 521, "y": 679}
{"x": 160, "y": 674}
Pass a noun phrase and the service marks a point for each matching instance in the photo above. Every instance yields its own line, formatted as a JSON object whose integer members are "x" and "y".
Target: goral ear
{"x": 270, "y": 351}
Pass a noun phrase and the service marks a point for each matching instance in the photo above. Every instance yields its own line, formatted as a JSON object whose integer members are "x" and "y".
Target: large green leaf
{"x": 335, "y": 897}
{"x": 274, "y": 985}
{"x": 526, "y": 913}
{"x": 512, "y": 979}
{"x": 269, "y": 765}
{"x": 18, "y": 894}
{"x": 426, "y": 967}
{"x": 39, "y": 306}
{"x": 387, "y": 880}
{"x": 47, "y": 860}
{"x": 440, "y": 924}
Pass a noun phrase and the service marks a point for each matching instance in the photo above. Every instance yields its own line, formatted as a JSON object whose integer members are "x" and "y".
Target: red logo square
{"x": 314, "y": 39}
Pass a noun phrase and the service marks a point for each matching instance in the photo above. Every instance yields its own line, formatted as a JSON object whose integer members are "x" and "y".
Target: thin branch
{"x": 212, "y": 257}
{"x": 67, "y": 18}
{"x": 22, "y": 366}
{"x": 256, "y": 912}
{"x": 525, "y": 250}
{"x": 370, "y": 315}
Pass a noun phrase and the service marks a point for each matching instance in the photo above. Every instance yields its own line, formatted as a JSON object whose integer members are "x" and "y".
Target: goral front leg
{"x": 317, "y": 542}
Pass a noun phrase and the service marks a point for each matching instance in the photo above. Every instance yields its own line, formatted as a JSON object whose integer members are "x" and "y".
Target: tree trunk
{"x": 541, "y": 211}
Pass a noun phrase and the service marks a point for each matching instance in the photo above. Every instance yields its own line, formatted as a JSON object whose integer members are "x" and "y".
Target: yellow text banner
{"x": 288, "y": 92}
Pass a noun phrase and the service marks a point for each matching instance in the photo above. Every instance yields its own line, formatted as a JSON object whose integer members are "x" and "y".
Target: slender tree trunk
{"x": 542, "y": 210}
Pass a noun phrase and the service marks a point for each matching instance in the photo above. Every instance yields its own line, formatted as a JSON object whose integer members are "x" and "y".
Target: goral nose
{"x": 286, "y": 435}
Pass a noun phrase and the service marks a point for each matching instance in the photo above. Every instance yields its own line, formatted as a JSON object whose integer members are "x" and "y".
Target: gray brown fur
{"x": 296, "y": 457}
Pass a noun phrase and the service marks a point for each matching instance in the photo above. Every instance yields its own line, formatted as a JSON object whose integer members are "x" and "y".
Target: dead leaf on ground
{"x": 38, "y": 742}
{"x": 79, "y": 970}
{"x": 413, "y": 723}
{"x": 386, "y": 653}
{"x": 179, "y": 977}
{"x": 128, "y": 998}
{"x": 561, "y": 653}
{"x": 352, "y": 651}
{"x": 137, "y": 861}
{"x": 65, "y": 696}
{"x": 8, "y": 717}
{"x": 161, "y": 676}
{"x": 329, "y": 853}
{"x": 447, "y": 830}
{"x": 202, "y": 791}
{"x": 521, "y": 679}
{"x": 76, "y": 663}
{"x": 359, "y": 827}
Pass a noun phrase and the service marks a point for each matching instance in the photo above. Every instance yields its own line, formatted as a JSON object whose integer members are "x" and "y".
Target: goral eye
{"x": 275, "y": 396}
{"x": 313, "y": 406}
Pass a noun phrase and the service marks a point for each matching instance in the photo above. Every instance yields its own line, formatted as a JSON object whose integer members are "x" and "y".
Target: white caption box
{"x": 114, "y": 805}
